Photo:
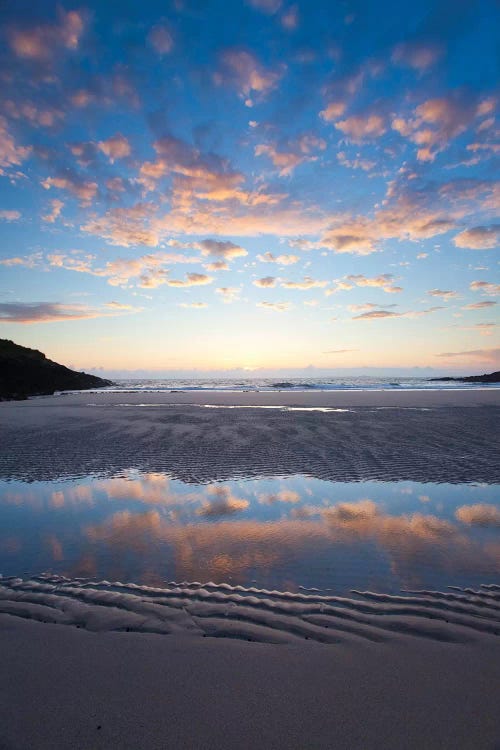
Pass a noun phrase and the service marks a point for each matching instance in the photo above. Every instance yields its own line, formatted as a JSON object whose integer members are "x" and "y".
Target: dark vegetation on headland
{"x": 492, "y": 377}
{"x": 27, "y": 372}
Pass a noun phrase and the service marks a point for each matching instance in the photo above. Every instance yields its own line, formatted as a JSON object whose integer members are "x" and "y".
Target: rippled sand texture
{"x": 252, "y": 614}
{"x": 207, "y": 666}
{"x": 65, "y": 437}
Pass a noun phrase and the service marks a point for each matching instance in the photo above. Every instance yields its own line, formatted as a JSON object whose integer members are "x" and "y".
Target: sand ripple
{"x": 224, "y": 611}
{"x": 447, "y": 444}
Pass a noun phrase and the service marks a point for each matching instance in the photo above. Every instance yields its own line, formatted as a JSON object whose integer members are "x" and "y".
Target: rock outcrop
{"x": 27, "y": 372}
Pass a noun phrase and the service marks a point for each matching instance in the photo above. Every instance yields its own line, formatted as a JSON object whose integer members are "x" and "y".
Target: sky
{"x": 255, "y": 185}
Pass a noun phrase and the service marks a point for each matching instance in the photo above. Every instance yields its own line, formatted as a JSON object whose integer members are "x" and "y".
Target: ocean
{"x": 355, "y": 383}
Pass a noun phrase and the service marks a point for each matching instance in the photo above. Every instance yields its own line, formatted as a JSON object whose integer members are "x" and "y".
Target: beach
{"x": 440, "y": 436}
{"x": 93, "y": 663}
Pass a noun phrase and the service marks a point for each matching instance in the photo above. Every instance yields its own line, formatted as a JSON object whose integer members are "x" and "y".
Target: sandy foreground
{"x": 208, "y": 667}
{"x": 91, "y": 665}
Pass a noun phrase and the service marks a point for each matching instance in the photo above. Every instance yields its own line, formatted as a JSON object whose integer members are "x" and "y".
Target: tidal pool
{"x": 284, "y": 533}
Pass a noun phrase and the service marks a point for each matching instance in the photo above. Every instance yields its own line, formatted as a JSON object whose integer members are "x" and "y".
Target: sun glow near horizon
{"x": 307, "y": 185}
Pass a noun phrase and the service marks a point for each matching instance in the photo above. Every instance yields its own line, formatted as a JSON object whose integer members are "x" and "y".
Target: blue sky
{"x": 261, "y": 184}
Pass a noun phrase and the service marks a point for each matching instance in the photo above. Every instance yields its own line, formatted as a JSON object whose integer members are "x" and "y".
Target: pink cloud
{"x": 292, "y": 153}
{"x": 479, "y": 238}
{"x": 487, "y": 287}
{"x": 116, "y": 147}
{"x": 161, "y": 39}
{"x": 84, "y": 190}
{"x": 306, "y": 283}
{"x": 7, "y": 215}
{"x": 417, "y": 55}
{"x": 438, "y": 121}
{"x": 267, "y": 282}
{"x": 10, "y": 153}
{"x": 242, "y": 69}
{"x": 45, "y": 312}
{"x": 275, "y": 306}
{"x": 41, "y": 43}
{"x": 192, "y": 279}
{"x": 361, "y": 128}
{"x": 282, "y": 260}
{"x": 229, "y": 293}
{"x": 56, "y": 208}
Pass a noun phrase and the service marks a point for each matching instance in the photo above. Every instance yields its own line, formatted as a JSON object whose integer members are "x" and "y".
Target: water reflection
{"x": 282, "y": 533}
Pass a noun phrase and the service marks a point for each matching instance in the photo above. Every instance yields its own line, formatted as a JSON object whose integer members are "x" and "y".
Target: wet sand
{"x": 431, "y": 436}
{"x": 88, "y": 665}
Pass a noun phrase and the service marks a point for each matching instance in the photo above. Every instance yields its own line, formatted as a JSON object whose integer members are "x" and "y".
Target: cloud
{"x": 45, "y": 116}
{"x": 358, "y": 163}
{"x": 417, "y": 55}
{"x": 486, "y": 287}
{"x": 384, "y": 281}
{"x": 291, "y": 153}
{"x": 41, "y": 43}
{"x": 192, "y": 279}
{"x": 480, "y": 514}
{"x": 242, "y": 70}
{"x": 444, "y": 294}
{"x": 481, "y": 355}
{"x": 44, "y": 312}
{"x": 333, "y": 111}
{"x": 223, "y": 504}
{"x": 306, "y": 283}
{"x": 195, "y": 305}
{"x": 438, "y": 121}
{"x": 126, "y": 226}
{"x": 281, "y": 260}
{"x": 290, "y": 19}
{"x": 375, "y": 314}
{"x": 275, "y": 306}
{"x": 10, "y": 153}
{"x": 149, "y": 271}
{"x": 10, "y": 215}
{"x": 361, "y": 128}
{"x": 229, "y": 293}
{"x": 411, "y": 212}
{"x": 479, "y": 305}
{"x": 283, "y": 496}
{"x": 198, "y": 177}
{"x": 119, "y": 306}
{"x": 116, "y": 147}
{"x": 484, "y": 329}
{"x": 161, "y": 39}
{"x": 479, "y": 238}
{"x": 84, "y": 190}
{"x": 218, "y": 249}
{"x": 217, "y": 265}
{"x": 55, "y": 211}
{"x": 366, "y": 306}
{"x": 268, "y": 282}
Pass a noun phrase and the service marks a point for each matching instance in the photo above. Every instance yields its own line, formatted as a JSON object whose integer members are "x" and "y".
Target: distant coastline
{"x": 492, "y": 377}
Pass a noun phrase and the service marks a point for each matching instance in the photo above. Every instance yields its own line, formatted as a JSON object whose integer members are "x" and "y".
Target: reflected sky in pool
{"x": 280, "y": 533}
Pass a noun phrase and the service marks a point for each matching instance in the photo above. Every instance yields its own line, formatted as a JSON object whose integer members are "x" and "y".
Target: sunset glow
{"x": 257, "y": 185}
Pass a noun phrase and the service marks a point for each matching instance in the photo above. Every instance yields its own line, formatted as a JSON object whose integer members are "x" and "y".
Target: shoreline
{"x": 342, "y": 398}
